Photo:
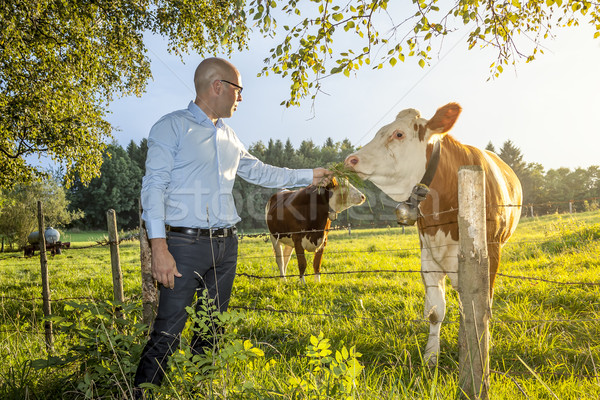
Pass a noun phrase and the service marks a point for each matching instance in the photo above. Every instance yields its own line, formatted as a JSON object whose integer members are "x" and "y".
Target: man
{"x": 190, "y": 215}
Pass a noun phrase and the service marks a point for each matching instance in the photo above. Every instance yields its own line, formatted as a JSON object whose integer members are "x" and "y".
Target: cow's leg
{"x": 301, "y": 259}
{"x": 439, "y": 257}
{"x": 317, "y": 263}
{"x": 494, "y": 251}
{"x": 287, "y": 253}
{"x": 319, "y": 253}
{"x": 435, "y": 311}
{"x": 279, "y": 256}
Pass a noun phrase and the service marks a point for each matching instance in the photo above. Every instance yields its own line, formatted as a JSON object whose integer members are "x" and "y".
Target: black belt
{"x": 214, "y": 232}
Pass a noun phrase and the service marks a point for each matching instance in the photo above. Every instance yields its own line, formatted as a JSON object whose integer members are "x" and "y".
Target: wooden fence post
{"x": 115, "y": 258}
{"x": 149, "y": 291}
{"x": 47, "y": 306}
{"x": 473, "y": 285}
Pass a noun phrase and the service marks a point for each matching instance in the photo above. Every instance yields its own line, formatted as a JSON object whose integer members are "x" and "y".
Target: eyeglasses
{"x": 233, "y": 84}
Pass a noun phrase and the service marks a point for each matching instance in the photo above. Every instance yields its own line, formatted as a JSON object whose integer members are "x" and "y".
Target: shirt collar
{"x": 201, "y": 116}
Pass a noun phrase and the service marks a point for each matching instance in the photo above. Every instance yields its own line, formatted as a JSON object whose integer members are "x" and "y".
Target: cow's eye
{"x": 398, "y": 134}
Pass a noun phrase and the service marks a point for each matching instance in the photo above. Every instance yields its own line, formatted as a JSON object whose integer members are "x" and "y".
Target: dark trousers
{"x": 204, "y": 264}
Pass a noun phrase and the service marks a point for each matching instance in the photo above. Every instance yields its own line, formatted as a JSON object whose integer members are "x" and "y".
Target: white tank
{"x": 51, "y": 235}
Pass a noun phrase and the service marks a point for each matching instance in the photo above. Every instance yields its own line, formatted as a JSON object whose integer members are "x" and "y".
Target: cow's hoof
{"x": 318, "y": 278}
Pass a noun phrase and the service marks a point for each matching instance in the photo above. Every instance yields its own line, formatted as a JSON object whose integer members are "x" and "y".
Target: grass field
{"x": 545, "y": 336}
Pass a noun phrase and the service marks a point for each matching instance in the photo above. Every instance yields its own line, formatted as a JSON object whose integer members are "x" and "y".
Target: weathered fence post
{"x": 473, "y": 285}
{"x": 115, "y": 258}
{"x": 47, "y": 306}
{"x": 149, "y": 292}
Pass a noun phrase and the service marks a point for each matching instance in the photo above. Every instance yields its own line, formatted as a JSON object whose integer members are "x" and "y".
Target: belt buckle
{"x": 217, "y": 232}
{"x": 222, "y": 232}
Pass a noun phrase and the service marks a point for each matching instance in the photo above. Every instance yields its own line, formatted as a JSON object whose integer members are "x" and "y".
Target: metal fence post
{"x": 473, "y": 285}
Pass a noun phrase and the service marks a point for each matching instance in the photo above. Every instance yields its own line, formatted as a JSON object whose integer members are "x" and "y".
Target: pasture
{"x": 545, "y": 335}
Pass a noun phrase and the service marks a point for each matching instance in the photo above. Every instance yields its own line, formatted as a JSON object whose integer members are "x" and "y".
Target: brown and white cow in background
{"x": 299, "y": 220}
{"x": 396, "y": 160}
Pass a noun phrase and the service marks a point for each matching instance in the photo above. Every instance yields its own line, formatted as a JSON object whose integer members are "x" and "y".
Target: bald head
{"x": 212, "y": 69}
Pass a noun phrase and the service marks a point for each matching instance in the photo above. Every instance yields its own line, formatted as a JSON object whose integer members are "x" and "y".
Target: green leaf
{"x": 313, "y": 340}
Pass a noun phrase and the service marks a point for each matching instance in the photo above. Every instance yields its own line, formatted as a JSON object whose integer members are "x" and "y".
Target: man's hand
{"x": 321, "y": 176}
{"x": 164, "y": 269}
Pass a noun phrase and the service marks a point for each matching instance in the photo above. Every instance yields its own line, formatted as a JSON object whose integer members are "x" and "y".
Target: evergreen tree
{"x": 513, "y": 157}
{"x": 289, "y": 155}
{"x": 138, "y": 154}
{"x": 346, "y": 148}
{"x": 532, "y": 182}
{"x": 258, "y": 150}
{"x": 308, "y": 150}
{"x": 118, "y": 187}
{"x": 329, "y": 152}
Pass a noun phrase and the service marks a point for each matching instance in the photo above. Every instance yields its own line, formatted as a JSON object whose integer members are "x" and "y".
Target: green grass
{"x": 548, "y": 328}
{"x": 83, "y": 237}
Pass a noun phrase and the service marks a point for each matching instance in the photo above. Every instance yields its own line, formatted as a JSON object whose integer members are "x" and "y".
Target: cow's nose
{"x": 351, "y": 161}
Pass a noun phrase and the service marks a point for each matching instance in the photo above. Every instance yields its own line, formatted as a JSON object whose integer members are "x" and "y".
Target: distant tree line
{"x": 123, "y": 168}
{"x": 122, "y": 171}
{"x": 551, "y": 191}
{"x": 84, "y": 206}
{"x": 378, "y": 210}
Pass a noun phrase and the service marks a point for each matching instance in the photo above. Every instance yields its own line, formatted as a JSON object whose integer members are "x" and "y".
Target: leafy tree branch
{"x": 306, "y": 54}
{"x": 61, "y": 63}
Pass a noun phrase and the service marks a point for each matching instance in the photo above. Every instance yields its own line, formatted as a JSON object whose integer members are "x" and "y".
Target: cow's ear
{"x": 444, "y": 118}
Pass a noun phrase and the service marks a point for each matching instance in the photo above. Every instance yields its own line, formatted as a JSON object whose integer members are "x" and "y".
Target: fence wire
{"x": 273, "y": 310}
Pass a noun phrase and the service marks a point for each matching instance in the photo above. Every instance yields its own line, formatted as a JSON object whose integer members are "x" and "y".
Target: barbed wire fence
{"x": 401, "y": 251}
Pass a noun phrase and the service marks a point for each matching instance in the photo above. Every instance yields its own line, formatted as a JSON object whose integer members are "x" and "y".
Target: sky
{"x": 549, "y": 108}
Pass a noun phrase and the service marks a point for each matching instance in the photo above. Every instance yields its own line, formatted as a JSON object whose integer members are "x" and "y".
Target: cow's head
{"x": 395, "y": 159}
{"x": 343, "y": 195}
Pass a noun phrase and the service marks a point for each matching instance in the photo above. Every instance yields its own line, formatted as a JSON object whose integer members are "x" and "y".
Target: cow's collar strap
{"x": 432, "y": 166}
{"x": 407, "y": 211}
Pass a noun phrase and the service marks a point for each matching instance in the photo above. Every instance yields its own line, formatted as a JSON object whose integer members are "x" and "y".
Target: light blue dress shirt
{"x": 190, "y": 171}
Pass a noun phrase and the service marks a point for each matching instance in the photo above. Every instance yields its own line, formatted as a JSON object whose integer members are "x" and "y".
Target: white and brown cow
{"x": 299, "y": 220}
{"x": 397, "y": 159}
